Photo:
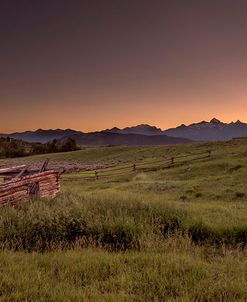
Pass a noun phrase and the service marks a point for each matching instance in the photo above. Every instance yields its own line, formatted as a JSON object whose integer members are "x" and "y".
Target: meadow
{"x": 166, "y": 230}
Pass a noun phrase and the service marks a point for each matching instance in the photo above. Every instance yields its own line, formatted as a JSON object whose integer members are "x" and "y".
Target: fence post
{"x": 172, "y": 160}
{"x": 209, "y": 153}
{"x": 96, "y": 175}
{"x": 134, "y": 167}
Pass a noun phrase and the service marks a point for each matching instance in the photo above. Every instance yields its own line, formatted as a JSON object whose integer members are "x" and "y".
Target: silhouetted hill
{"x": 108, "y": 138}
{"x": 138, "y": 135}
{"x": 40, "y": 135}
{"x": 139, "y": 129}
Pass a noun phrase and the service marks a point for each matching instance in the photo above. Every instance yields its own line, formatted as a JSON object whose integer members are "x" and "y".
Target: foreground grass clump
{"x": 116, "y": 222}
{"x": 176, "y": 274}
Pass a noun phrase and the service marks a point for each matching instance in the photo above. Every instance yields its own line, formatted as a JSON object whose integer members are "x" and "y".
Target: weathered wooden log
{"x": 24, "y": 193}
{"x": 12, "y": 169}
{"x": 28, "y": 179}
{"x": 29, "y": 172}
{"x": 49, "y": 178}
{"x": 22, "y": 189}
{"x": 45, "y": 183}
{"x": 16, "y": 195}
{"x": 9, "y": 191}
{"x": 51, "y": 184}
{"x": 12, "y": 191}
{"x": 4, "y": 187}
{"x": 39, "y": 175}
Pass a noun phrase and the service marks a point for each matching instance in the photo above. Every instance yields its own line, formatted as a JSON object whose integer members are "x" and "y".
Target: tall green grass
{"x": 176, "y": 234}
{"x": 118, "y": 223}
{"x": 93, "y": 275}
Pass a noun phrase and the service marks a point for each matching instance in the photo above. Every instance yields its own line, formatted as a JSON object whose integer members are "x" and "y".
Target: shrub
{"x": 240, "y": 195}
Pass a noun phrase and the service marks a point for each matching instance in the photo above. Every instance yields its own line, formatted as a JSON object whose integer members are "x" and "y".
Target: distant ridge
{"x": 103, "y": 138}
{"x": 143, "y": 129}
{"x": 213, "y": 130}
{"x": 40, "y": 135}
{"x": 106, "y": 137}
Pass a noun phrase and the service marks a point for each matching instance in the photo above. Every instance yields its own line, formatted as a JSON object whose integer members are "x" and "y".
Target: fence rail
{"x": 145, "y": 166}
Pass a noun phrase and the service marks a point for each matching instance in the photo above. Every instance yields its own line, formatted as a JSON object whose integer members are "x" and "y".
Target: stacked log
{"x": 49, "y": 186}
{"x": 19, "y": 188}
{"x": 13, "y": 195}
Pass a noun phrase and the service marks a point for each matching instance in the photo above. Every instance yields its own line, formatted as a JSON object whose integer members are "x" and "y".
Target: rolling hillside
{"x": 133, "y": 235}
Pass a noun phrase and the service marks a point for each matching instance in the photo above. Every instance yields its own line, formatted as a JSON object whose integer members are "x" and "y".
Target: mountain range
{"x": 100, "y": 138}
{"x": 214, "y": 130}
{"x": 143, "y": 134}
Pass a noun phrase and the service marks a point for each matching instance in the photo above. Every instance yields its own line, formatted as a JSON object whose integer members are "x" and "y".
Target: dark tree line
{"x": 10, "y": 148}
{"x": 54, "y": 146}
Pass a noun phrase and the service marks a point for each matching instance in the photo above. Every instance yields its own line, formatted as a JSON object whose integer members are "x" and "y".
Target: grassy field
{"x": 162, "y": 232}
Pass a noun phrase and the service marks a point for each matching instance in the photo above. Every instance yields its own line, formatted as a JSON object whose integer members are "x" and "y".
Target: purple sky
{"x": 91, "y": 64}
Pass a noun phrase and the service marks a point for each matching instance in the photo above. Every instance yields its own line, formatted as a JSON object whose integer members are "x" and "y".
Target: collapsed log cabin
{"x": 19, "y": 183}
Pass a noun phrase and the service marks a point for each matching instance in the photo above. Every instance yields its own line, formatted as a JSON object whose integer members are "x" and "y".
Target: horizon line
{"x": 99, "y": 130}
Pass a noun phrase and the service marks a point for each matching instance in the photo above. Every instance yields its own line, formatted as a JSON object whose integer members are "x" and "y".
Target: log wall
{"x": 46, "y": 186}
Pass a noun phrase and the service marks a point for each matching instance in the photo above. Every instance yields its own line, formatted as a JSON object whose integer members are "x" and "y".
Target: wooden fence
{"x": 146, "y": 167}
{"x": 20, "y": 183}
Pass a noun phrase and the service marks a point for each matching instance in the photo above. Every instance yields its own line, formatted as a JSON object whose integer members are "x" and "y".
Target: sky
{"x": 94, "y": 64}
